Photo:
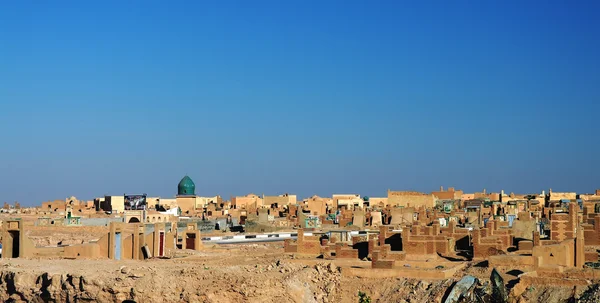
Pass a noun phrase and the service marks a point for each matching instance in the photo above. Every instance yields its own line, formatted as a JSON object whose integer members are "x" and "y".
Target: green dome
{"x": 186, "y": 187}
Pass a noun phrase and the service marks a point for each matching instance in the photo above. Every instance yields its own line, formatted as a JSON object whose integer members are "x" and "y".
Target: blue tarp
{"x": 461, "y": 289}
{"x": 511, "y": 219}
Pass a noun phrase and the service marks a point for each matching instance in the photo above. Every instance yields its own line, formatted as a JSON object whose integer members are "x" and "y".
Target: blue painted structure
{"x": 118, "y": 246}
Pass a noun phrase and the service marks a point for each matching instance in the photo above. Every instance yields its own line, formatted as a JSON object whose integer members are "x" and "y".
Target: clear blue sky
{"x": 306, "y": 97}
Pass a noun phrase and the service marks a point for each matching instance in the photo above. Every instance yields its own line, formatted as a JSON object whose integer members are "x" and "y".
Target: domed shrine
{"x": 186, "y": 187}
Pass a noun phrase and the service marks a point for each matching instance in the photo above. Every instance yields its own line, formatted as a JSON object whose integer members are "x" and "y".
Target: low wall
{"x": 88, "y": 251}
{"x": 206, "y": 226}
{"x": 512, "y": 261}
{"x": 416, "y": 273}
{"x": 48, "y": 251}
{"x": 99, "y": 221}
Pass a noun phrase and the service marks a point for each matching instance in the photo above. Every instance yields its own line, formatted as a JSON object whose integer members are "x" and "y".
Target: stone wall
{"x": 410, "y": 199}
{"x": 280, "y": 200}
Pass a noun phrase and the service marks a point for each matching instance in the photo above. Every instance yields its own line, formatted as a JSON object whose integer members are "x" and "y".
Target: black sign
{"x": 135, "y": 202}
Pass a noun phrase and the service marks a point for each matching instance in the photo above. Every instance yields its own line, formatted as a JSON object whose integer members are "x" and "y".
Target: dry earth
{"x": 233, "y": 273}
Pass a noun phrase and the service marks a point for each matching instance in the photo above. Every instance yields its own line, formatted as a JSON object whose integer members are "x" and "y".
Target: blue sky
{"x": 306, "y": 97}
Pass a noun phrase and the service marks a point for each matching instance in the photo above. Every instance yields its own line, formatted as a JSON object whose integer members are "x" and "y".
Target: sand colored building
{"x": 378, "y": 202}
{"x": 54, "y": 206}
{"x": 424, "y": 240}
{"x": 122, "y": 241}
{"x": 591, "y": 197}
{"x": 186, "y": 198}
{"x": 202, "y": 202}
{"x": 317, "y": 205}
{"x": 557, "y": 196}
{"x": 449, "y": 194}
{"x": 15, "y": 244}
{"x": 565, "y": 249}
{"x": 481, "y": 195}
{"x": 466, "y": 197}
{"x": 346, "y": 197}
{"x": 285, "y": 199}
{"x": 491, "y": 240}
{"x": 114, "y": 204}
{"x": 592, "y": 230}
{"x": 348, "y": 201}
{"x": 149, "y": 216}
{"x": 169, "y": 203}
{"x": 163, "y": 203}
{"x": 564, "y": 225}
{"x": 249, "y": 202}
{"x": 511, "y": 197}
{"x": 411, "y": 199}
{"x": 403, "y": 233}
{"x": 69, "y": 203}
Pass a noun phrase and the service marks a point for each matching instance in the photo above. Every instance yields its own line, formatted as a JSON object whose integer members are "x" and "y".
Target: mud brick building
{"x": 385, "y": 257}
{"x": 491, "y": 240}
{"x": 345, "y": 251}
{"x": 562, "y": 226}
{"x": 123, "y": 241}
{"x": 310, "y": 245}
{"x": 592, "y": 231}
{"x": 461, "y": 236}
{"x": 426, "y": 240}
{"x": 346, "y": 218}
{"x": 556, "y": 257}
{"x": 409, "y": 198}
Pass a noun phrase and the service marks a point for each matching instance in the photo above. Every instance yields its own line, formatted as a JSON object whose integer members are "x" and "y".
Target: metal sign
{"x": 135, "y": 202}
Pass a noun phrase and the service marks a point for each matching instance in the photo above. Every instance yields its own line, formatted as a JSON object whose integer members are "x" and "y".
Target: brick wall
{"x": 345, "y": 252}
{"x": 561, "y": 228}
{"x": 485, "y": 246}
{"x": 592, "y": 232}
{"x": 430, "y": 243}
{"x": 385, "y": 258}
{"x": 303, "y": 245}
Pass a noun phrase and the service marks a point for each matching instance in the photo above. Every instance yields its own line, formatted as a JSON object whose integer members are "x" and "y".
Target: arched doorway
{"x": 134, "y": 220}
